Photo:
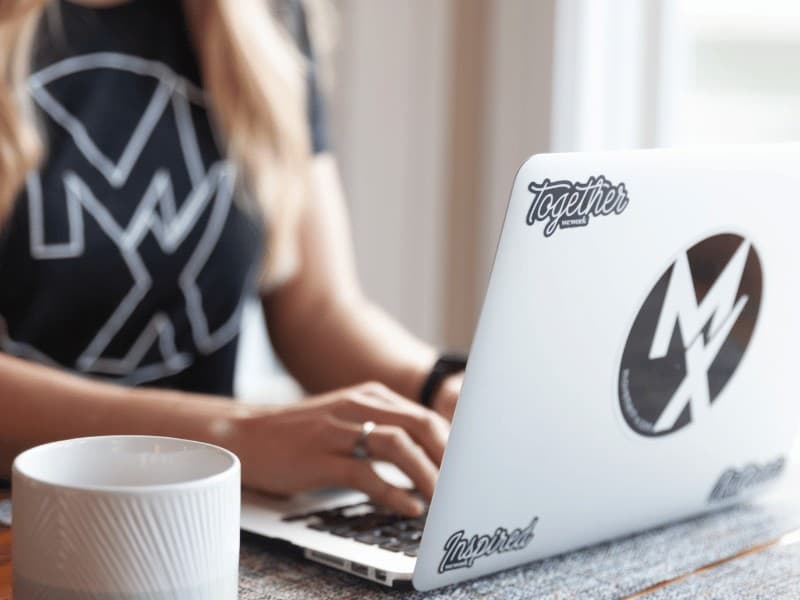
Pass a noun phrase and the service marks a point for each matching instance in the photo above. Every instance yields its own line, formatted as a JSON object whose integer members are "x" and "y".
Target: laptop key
{"x": 394, "y": 546}
{"x": 374, "y": 538}
{"x": 323, "y": 525}
{"x": 333, "y": 513}
{"x": 416, "y": 524}
{"x": 344, "y": 531}
{"x": 391, "y": 531}
{"x": 368, "y": 524}
{"x": 411, "y": 536}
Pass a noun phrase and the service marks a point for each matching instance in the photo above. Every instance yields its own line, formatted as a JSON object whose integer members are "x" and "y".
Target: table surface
{"x": 268, "y": 571}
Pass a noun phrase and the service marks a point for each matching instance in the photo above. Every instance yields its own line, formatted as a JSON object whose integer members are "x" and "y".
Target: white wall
{"x": 389, "y": 115}
{"x": 518, "y": 109}
{"x": 393, "y": 108}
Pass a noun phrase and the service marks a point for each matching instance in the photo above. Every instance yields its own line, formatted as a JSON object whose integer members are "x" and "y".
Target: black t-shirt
{"x": 131, "y": 250}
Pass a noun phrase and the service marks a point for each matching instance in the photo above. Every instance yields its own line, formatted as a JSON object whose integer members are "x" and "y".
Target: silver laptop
{"x": 635, "y": 363}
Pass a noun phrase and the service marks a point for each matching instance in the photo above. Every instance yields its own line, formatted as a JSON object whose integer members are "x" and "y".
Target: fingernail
{"x": 416, "y": 507}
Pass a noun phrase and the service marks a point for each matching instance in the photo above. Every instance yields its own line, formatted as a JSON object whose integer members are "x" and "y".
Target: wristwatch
{"x": 447, "y": 364}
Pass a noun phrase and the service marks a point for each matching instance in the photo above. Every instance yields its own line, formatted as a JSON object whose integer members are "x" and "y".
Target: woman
{"x": 159, "y": 163}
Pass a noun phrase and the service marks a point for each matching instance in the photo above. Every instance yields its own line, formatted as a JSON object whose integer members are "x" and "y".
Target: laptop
{"x": 634, "y": 364}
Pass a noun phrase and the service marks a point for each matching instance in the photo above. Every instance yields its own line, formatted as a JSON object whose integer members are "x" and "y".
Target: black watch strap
{"x": 447, "y": 364}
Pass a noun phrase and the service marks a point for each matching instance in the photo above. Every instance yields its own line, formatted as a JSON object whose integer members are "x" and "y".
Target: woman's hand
{"x": 310, "y": 445}
{"x": 444, "y": 402}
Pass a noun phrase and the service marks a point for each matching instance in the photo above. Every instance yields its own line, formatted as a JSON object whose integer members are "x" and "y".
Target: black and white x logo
{"x": 177, "y": 210}
{"x": 690, "y": 335}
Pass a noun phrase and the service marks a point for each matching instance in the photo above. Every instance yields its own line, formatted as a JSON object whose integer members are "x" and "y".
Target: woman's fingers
{"x": 395, "y": 445}
{"x": 387, "y": 395}
{"x": 359, "y": 475}
{"x": 391, "y": 444}
{"x": 426, "y": 427}
{"x": 444, "y": 402}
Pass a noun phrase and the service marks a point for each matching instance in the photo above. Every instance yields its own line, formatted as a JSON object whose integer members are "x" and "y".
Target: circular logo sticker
{"x": 690, "y": 335}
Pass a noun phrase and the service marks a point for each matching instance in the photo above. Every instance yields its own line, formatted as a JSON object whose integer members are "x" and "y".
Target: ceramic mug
{"x": 126, "y": 517}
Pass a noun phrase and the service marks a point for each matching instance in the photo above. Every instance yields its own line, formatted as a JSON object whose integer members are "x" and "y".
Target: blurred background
{"x": 434, "y": 104}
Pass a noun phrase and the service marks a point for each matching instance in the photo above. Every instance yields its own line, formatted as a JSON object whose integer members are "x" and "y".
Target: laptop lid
{"x": 635, "y": 356}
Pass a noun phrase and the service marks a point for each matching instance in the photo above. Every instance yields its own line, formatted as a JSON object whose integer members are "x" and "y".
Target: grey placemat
{"x": 773, "y": 574}
{"x": 611, "y": 570}
{"x": 608, "y": 570}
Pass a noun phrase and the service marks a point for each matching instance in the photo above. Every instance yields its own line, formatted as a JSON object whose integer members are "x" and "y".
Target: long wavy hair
{"x": 254, "y": 77}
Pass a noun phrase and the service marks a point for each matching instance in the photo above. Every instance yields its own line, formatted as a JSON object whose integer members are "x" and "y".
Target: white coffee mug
{"x": 126, "y": 517}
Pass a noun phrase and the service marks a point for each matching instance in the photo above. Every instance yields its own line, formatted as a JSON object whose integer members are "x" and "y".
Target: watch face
{"x": 452, "y": 363}
{"x": 446, "y": 365}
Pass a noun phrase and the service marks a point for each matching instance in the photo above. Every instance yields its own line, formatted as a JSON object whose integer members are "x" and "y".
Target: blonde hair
{"x": 255, "y": 79}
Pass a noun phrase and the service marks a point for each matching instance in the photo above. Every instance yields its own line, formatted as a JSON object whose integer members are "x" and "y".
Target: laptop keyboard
{"x": 369, "y": 524}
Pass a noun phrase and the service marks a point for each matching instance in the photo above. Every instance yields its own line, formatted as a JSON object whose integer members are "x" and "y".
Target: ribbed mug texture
{"x": 179, "y": 541}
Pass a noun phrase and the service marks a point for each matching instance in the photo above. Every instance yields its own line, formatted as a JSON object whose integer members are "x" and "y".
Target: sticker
{"x": 567, "y": 204}
{"x": 461, "y": 552}
{"x": 734, "y": 481}
{"x": 690, "y": 335}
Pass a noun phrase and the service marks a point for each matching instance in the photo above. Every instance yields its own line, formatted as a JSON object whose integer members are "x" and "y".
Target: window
{"x": 739, "y": 62}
